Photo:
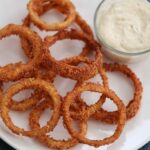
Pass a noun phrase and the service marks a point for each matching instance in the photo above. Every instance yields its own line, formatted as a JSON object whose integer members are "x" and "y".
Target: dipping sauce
{"x": 123, "y": 29}
{"x": 125, "y": 25}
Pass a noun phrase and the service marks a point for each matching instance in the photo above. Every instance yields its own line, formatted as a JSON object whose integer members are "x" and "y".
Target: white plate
{"x": 136, "y": 132}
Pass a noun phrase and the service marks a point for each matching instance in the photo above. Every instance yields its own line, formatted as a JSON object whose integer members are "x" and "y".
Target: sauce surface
{"x": 125, "y": 25}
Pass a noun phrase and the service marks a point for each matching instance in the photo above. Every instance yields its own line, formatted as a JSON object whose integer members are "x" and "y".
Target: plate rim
{"x": 8, "y": 142}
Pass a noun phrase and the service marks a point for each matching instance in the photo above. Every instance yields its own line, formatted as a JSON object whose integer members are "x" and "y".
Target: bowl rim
{"x": 107, "y": 45}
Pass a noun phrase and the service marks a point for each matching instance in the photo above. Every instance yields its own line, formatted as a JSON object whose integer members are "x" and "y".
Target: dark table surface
{"x": 4, "y": 146}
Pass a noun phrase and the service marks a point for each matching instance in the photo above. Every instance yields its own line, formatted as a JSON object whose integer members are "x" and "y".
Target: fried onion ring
{"x": 17, "y": 71}
{"x": 95, "y": 88}
{"x": 48, "y": 88}
{"x": 131, "y": 109}
{"x": 134, "y": 104}
{"x": 66, "y": 70}
{"x": 34, "y": 5}
{"x": 43, "y": 73}
{"x": 79, "y": 21}
{"x": 46, "y": 139}
{"x": 79, "y": 102}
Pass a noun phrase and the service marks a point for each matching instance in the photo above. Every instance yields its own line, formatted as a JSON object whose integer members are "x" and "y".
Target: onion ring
{"x": 112, "y": 117}
{"x": 33, "y": 7}
{"x": 134, "y": 104}
{"x": 17, "y": 71}
{"x": 66, "y": 70}
{"x": 96, "y": 88}
{"x": 44, "y": 73}
{"x": 88, "y": 110}
{"x": 79, "y": 20}
{"x": 31, "y": 83}
{"x": 47, "y": 140}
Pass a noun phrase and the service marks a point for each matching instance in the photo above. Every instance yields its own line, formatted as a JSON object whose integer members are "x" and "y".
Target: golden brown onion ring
{"x": 134, "y": 104}
{"x": 66, "y": 70}
{"x": 19, "y": 70}
{"x": 79, "y": 21}
{"x": 131, "y": 109}
{"x": 34, "y": 5}
{"x": 48, "y": 88}
{"x": 100, "y": 89}
{"x": 43, "y": 73}
{"x": 47, "y": 139}
{"x": 79, "y": 102}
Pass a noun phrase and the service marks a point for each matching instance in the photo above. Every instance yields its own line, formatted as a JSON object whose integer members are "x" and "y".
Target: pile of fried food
{"x": 41, "y": 69}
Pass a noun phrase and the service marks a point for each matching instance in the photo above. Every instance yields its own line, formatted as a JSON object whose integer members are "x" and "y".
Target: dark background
{"x": 4, "y": 146}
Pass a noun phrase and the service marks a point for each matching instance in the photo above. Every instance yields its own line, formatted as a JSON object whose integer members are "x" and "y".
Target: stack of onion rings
{"x": 40, "y": 71}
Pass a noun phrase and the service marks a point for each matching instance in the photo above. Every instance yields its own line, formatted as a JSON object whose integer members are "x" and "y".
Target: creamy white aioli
{"x": 125, "y": 25}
